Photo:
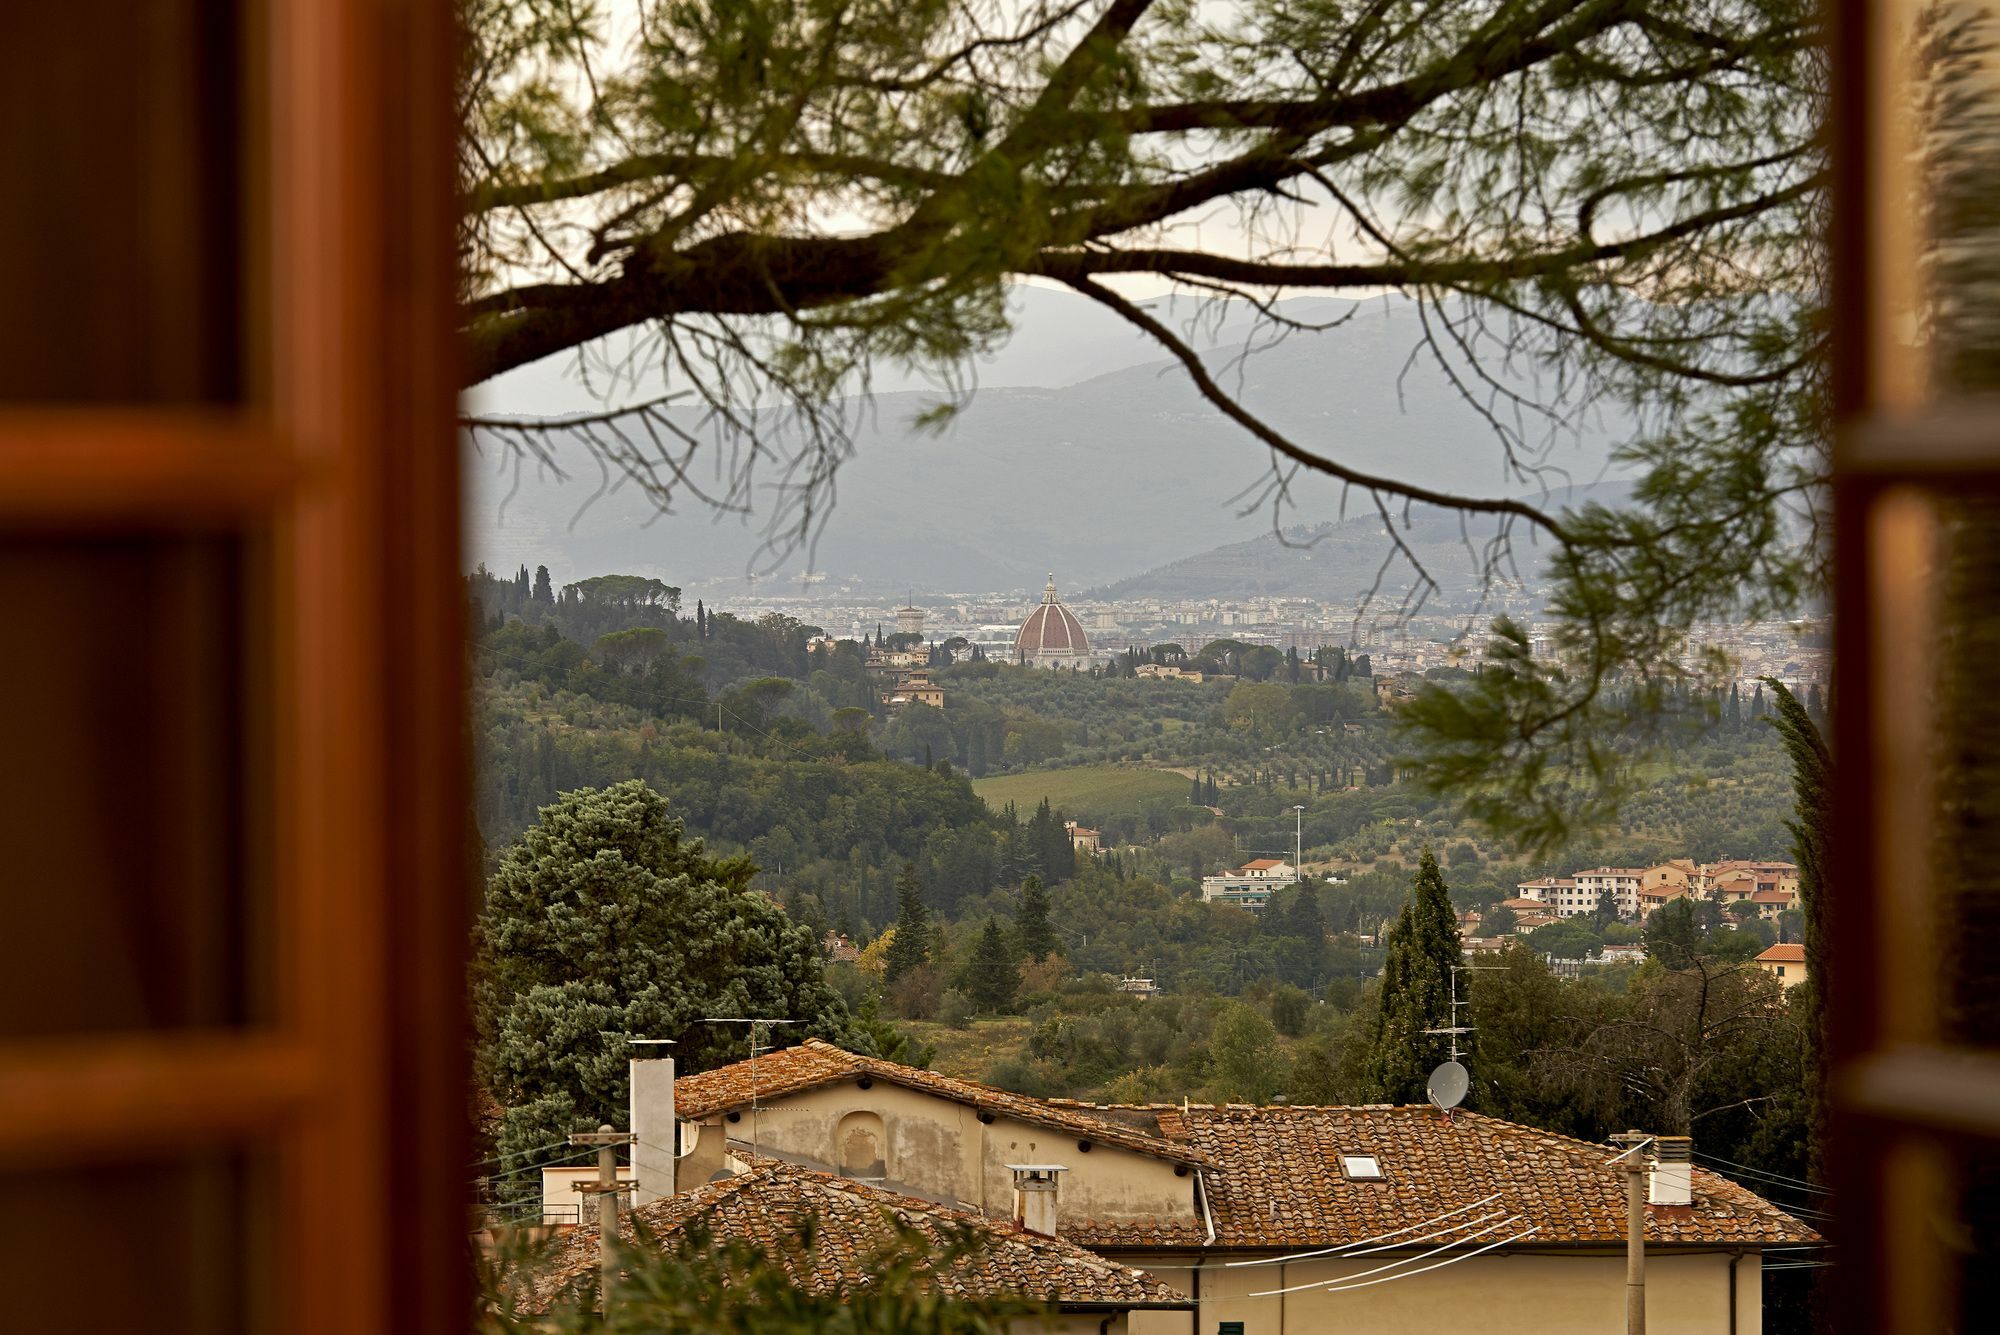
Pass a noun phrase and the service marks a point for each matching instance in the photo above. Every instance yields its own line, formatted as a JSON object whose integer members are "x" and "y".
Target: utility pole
{"x": 1635, "y": 1228}
{"x": 606, "y": 1189}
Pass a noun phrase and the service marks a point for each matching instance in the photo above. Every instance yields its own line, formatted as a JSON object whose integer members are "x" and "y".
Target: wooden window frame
{"x": 1902, "y": 1096}
{"x": 344, "y": 461}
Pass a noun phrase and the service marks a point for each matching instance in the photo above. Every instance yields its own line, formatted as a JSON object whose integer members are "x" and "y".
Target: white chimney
{"x": 1035, "y": 1196}
{"x": 1671, "y": 1181}
{"x": 653, "y": 1123}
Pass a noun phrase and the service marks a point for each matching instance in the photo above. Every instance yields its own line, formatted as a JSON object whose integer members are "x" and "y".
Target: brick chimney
{"x": 1035, "y": 1196}
{"x": 1671, "y": 1179}
{"x": 653, "y": 1125}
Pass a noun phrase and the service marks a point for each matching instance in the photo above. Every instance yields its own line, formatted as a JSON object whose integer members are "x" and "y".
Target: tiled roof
{"x": 814, "y": 1063}
{"x": 1050, "y": 629}
{"x": 769, "y": 1206}
{"x": 1772, "y": 897}
{"x": 1277, "y": 1182}
{"x": 1784, "y": 953}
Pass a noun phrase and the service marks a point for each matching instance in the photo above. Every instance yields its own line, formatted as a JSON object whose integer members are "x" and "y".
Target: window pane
{"x": 123, "y": 801}
{"x": 122, "y": 241}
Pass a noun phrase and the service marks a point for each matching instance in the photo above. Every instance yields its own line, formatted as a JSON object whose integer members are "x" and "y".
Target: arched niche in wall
{"x": 861, "y": 1146}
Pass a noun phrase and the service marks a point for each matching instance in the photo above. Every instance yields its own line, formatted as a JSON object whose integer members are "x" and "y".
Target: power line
{"x": 516, "y": 1154}
{"x": 1363, "y": 1242}
{"x": 528, "y": 1168}
{"x": 1782, "y": 1179}
{"x": 1346, "y": 1280}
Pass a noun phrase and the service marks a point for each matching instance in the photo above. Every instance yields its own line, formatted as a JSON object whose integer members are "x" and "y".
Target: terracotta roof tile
{"x": 768, "y": 1205}
{"x": 1277, "y": 1180}
{"x": 816, "y": 1062}
{"x": 1783, "y": 953}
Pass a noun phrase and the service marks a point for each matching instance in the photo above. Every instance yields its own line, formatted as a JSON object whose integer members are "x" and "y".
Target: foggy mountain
{"x": 1336, "y": 563}
{"x": 1084, "y": 452}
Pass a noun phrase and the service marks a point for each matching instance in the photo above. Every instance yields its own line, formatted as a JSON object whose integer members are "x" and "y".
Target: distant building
{"x": 1656, "y": 897}
{"x": 1621, "y": 884}
{"x": 1166, "y": 672}
{"x": 914, "y": 688}
{"x": 910, "y": 621}
{"x": 1084, "y": 839}
{"x": 1052, "y": 637}
{"x": 1251, "y": 885}
{"x": 1785, "y": 962}
{"x": 1143, "y": 988}
{"x": 1770, "y": 904}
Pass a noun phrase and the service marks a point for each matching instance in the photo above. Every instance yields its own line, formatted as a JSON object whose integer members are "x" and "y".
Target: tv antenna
{"x": 759, "y": 1045}
{"x": 1450, "y": 1081}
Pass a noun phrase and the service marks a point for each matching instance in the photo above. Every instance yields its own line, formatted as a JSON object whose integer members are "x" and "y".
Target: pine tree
{"x": 1038, "y": 938}
{"x": 602, "y": 921}
{"x": 992, "y": 978}
{"x": 912, "y": 946}
{"x": 1415, "y": 990}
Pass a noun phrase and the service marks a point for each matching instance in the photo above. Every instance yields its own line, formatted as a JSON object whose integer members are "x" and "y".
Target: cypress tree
{"x": 1812, "y": 797}
{"x": 1415, "y": 990}
{"x": 1195, "y": 796}
{"x": 912, "y": 945}
{"x": 1038, "y": 938}
{"x": 992, "y": 977}
{"x": 544, "y": 590}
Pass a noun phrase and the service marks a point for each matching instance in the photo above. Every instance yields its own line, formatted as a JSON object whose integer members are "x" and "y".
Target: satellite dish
{"x": 1447, "y": 1085}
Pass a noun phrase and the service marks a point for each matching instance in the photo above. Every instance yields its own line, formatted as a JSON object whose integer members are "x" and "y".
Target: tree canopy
{"x": 602, "y": 923}
{"x": 773, "y": 198}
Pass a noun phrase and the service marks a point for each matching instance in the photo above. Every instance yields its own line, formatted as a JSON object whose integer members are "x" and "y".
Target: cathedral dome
{"x": 1051, "y": 636}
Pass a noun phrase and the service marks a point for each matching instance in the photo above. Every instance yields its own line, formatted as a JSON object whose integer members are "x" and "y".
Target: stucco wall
{"x": 1573, "y": 1294}
{"x": 940, "y": 1150}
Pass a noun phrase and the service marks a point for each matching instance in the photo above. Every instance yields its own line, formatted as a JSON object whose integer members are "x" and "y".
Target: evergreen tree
{"x": 1195, "y": 796}
{"x": 992, "y": 978}
{"x": 912, "y": 946}
{"x": 1812, "y": 794}
{"x": 1314, "y": 1083}
{"x": 600, "y": 922}
{"x": 1415, "y": 990}
{"x": 544, "y": 590}
{"x": 1038, "y": 938}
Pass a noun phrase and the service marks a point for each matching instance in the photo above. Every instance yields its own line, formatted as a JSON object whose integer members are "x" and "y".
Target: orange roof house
{"x": 851, "y": 1222}
{"x": 1786, "y": 962}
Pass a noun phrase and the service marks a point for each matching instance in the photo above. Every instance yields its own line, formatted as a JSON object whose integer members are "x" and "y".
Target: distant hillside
{"x": 1092, "y": 477}
{"x": 1336, "y": 562}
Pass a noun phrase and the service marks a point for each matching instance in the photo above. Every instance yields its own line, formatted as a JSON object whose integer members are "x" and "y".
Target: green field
{"x": 1089, "y": 792}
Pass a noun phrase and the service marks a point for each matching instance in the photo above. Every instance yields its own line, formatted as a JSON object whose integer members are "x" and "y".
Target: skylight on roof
{"x": 1361, "y": 1167}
